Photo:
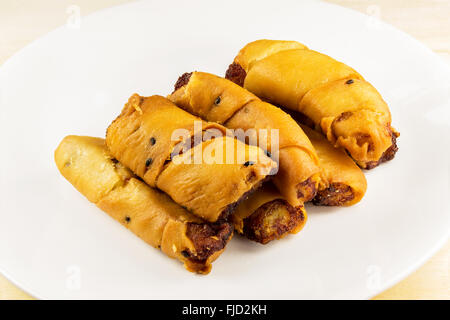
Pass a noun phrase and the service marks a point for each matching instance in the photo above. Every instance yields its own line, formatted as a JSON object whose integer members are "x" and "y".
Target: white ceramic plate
{"x": 55, "y": 244}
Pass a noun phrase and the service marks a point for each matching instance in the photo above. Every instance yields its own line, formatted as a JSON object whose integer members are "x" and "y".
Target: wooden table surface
{"x": 22, "y": 21}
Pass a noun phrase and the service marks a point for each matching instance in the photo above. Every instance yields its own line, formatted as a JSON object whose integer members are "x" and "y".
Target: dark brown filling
{"x": 337, "y": 194}
{"x": 306, "y": 190}
{"x": 183, "y": 80}
{"x": 236, "y": 74}
{"x": 207, "y": 239}
{"x": 389, "y": 154}
{"x": 272, "y": 221}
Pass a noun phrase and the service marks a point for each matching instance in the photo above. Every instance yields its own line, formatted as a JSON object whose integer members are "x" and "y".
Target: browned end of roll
{"x": 182, "y": 80}
{"x": 388, "y": 155}
{"x": 236, "y": 74}
{"x": 207, "y": 238}
{"x": 306, "y": 190}
{"x": 273, "y": 220}
{"x": 337, "y": 194}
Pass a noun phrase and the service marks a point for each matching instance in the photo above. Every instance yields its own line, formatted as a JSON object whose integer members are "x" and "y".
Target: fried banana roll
{"x": 266, "y": 216}
{"x": 348, "y": 110}
{"x": 146, "y": 136}
{"x": 217, "y": 99}
{"x": 150, "y": 214}
{"x": 342, "y": 182}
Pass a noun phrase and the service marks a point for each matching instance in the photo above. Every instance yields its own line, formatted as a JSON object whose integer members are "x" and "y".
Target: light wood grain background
{"x": 22, "y": 21}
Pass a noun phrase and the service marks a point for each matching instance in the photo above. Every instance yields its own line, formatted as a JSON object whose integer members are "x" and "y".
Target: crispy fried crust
{"x": 273, "y": 220}
{"x": 342, "y": 183}
{"x": 236, "y": 74}
{"x": 320, "y": 87}
{"x": 216, "y": 99}
{"x": 142, "y": 139}
{"x": 182, "y": 80}
{"x": 207, "y": 238}
{"x": 151, "y": 215}
{"x": 388, "y": 155}
{"x": 307, "y": 189}
{"x": 337, "y": 194}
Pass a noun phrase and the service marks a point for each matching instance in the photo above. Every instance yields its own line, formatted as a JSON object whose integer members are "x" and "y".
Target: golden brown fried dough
{"x": 220, "y": 100}
{"x": 341, "y": 104}
{"x": 150, "y": 214}
{"x": 142, "y": 139}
